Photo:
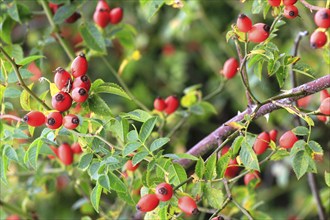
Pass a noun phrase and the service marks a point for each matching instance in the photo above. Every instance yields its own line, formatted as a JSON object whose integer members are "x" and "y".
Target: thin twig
{"x": 13, "y": 117}
{"x": 243, "y": 210}
{"x": 311, "y": 7}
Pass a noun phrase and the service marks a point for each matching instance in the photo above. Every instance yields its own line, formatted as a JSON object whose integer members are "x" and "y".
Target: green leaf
{"x": 116, "y": 183}
{"x": 132, "y": 136}
{"x": 85, "y": 160}
{"x": 98, "y": 106}
{"x": 6, "y": 30}
{"x": 158, "y": 143}
{"x": 104, "y": 181}
{"x": 25, "y": 99}
{"x": 315, "y": 147}
{"x": 25, "y": 74}
{"x": 96, "y": 196}
{"x": 177, "y": 174}
{"x": 92, "y": 37}
{"x": 298, "y": 146}
{"x": 150, "y": 8}
{"x": 3, "y": 169}
{"x": 120, "y": 128}
{"x": 138, "y": 115}
{"x": 222, "y": 165}
{"x": 181, "y": 156}
{"x": 248, "y": 157}
{"x": 13, "y": 12}
{"x": 280, "y": 154}
{"x": 300, "y": 163}
{"x": 139, "y": 157}
{"x": 29, "y": 59}
{"x": 236, "y": 145}
{"x": 131, "y": 147}
{"x": 281, "y": 76}
{"x": 10, "y": 153}
{"x": 147, "y": 128}
{"x": 210, "y": 167}
{"x": 304, "y": 69}
{"x": 63, "y": 13}
{"x": 12, "y": 93}
{"x": 300, "y": 130}
{"x": 32, "y": 153}
{"x": 327, "y": 178}
{"x": 126, "y": 196}
{"x": 213, "y": 196}
{"x": 200, "y": 168}
{"x": 111, "y": 88}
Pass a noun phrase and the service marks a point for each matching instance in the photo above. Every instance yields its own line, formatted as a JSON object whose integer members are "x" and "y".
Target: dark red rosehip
{"x": 322, "y": 18}
{"x": 261, "y": 143}
{"x": 172, "y": 104}
{"x": 274, "y": 3}
{"x": 233, "y": 169}
{"x": 159, "y": 104}
{"x": 61, "y": 101}
{"x": 101, "y": 18}
{"x": 79, "y": 94}
{"x": 102, "y": 5}
{"x": 325, "y": 106}
{"x": 34, "y": 118}
{"x": 79, "y": 66}
{"x": 55, "y": 150}
{"x": 225, "y": 149}
{"x": 288, "y": 139}
{"x": 188, "y": 205}
{"x": 244, "y": 23}
{"x": 65, "y": 154}
{"x": 289, "y": 2}
{"x": 258, "y": 33}
{"x": 82, "y": 81}
{"x": 290, "y": 11}
{"x": 54, "y": 120}
{"x": 164, "y": 192}
{"x": 116, "y": 15}
{"x": 318, "y": 39}
{"x": 129, "y": 166}
{"x": 230, "y": 68}
{"x": 76, "y": 148}
{"x": 251, "y": 176}
{"x": 54, "y": 7}
{"x": 70, "y": 121}
{"x": 147, "y": 203}
{"x": 273, "y": 135}
{"x": 62, "y": 79}
{"x": 73, "y": 18}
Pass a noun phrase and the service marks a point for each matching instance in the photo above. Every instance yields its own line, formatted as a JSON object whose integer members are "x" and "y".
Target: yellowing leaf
{"x": 53, "y": 89}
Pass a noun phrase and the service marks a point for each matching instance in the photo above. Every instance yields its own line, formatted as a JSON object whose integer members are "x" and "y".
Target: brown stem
{"x": 4, "y": 116}
{"x": 311, "y": 7}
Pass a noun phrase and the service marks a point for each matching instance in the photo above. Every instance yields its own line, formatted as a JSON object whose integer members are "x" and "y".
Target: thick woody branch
{"x": 210, "y": 141}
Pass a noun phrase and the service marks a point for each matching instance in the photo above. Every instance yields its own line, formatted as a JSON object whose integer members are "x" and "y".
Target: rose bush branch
{"x": 311, "y": 7}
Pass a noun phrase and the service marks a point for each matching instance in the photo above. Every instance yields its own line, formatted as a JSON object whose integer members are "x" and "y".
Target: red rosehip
{"x": 147, "y": 203}
{"x": 172, "y": 103}
{"x": 273, "y": 135}
{"x": 318, "y": 39}
{"x": 79, "y": 94}
{"x": 322, "y": 18}
{"x": 62, "y": 79}
{"x": 250, "y": 176}
{"x": 61, "y": 101}
{"x": 288, "y": 139}
{"x": 325, "y": 106}
{"x": 101, "y": 18}
{"x": 54, "y": 7}
{"x": 322, "y": 118}
{"x": 129, "y": 166}
{"x": 304, "y": 102}
{"x": 13, "y": 217}
{"x": 55, "y": 150}
{"x": 34, "y": 118}
{"x": 79, "y": 66}
{"x": 290, "y": 11}
{"x": 324, "y": 94}
{"x": 274, "y": 3}
{"x": 65, "y": 154}
{"x": 102, "y": 5}
{"x": 258, "y": 33}
{"x": 73, "y": 18}
{"x": 233, "y": 169}
{"x": 244, "y": 23}
{"x": 54, "y": 120}
{"x": 116, "y": 15}
{"x": 159, "y": 104}
{"x": 261, "y": 143}
{"x": 82, "y": 81}
{"x": 230, "y": 68}
{"x": 289, "y": 2}
{"x": 188, "y": 205}
{"x": 164, "y": 192}
{"x": 76, "y": 148}
{"x": 225, "y": 149}
{"x": 70, "y": 121}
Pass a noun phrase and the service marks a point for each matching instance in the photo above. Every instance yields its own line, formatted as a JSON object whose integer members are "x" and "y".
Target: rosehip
{"x": 322, "y": 118}
{"x": 258, "y": 33}
{"x": 61, "y": 101}
{"x": 324, "y": 94}
{"x": 188, "y": 205}
{"x": 325, "y": 106}
{"x": 54, "y": 7}
{"x": 79, "y": 66}
{"x": 274, "y": 3}
{"x": 147, "y": 203}
{"x": 65, "y": 154}
{"x": 233, "y": 169}
{"x": 73, "y": 18}
{"x": 130, "y": 167}
{"x": 102, "y": 4}
{"x": 70, "y": 121}
{"x": 289, "y": 2}
{"x": 230, "y": 68}
{"x": 304, "y": 102}
{"x": 273, "y": 135}
{"x": 290, "y": 11}
{"x": 54, "y": 120}
{"x": 82, "y": 81}
{"x": 34, "y": 118}
{"x": 225, "y": 149}
{"x": 116, "y": 15}
{"x": 79, "y": 94}
{"x": 55, "y": 150}
{"x": 261, "y": 143}
{"x": 101, "y": 18}
{"x": 159, "y": 104}
{"x": 250, "y": 176}
{"x": 62, "y": 79}
{"x": 164, "y": 192}
{"x": 172, "y": 103}
{"x": 244, "y": 23}
{"x": 288, "y": 139}
{"x": 76, "y": 148}
{"x": 13, "y": 217}
{"x": 318, "y": 39}
{"x": 322, "y": 18}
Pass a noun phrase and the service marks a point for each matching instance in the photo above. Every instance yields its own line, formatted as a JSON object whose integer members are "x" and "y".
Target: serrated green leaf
{"x": 158, "y": 143}
{"x": 12, "y": 93}
{"x": 10, "y": 153}
{"x": 92, "y": 37}
{"x": 200, "y": 168}
{"x": 280, "y": 155}
{"x": 222, "y": 165}
{"x": 85, "y": 160}
{"x": 315, "y": 147}
{"x": 139, "y": 157}
{"x": 25, "y": 99}
{"x": 138, "y": 115}
{"x": 210, "y": 167}
{"x": 150, "y": 8}
{"x": 300, "y": 163}
{"x": 116, "y": 183}
{"x": 132, "y": 136}
{"x": 13, "y": 12}
{"x": 111, "y": 88}
{"x": 6, "y": 30}
{"x": 63, "y": 13}
{"x": 95, "y": 197}
{"x": 236, "y": 145}
{"x": 181, "y": 156}
{"x": 304, "y": 69}
{"x": 327, "y": 178}
{"x": 298, "y": 146}
{"x": 147, "y": 128}
{"x": 177, "y": 174}
{"x": 131, "y": 147}
{"x": 213, "y": 196}
{"x": 104, "y": 181}
{"x": 248, "y": 157}
{"x": 300, "y": 130}
{"x": 98, "y": 106}
{"x": 3, "y": 169}
{"x": 32, "y": 153}
{"x": 29, "y": 59}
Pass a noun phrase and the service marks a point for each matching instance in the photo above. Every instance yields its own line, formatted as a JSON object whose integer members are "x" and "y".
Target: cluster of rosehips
{"x": 169, "y": 105}
{"x": 62, "y": 101}
{"x": 257, "y": 33}
{"x": 322, "y": 20}
{"x": 104, "y": 15}
{"x": 164, "y": 192}
{"x": 65, "y": 152}
{"x": 73, "y": 18}
{"x": 290, "y": 11}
